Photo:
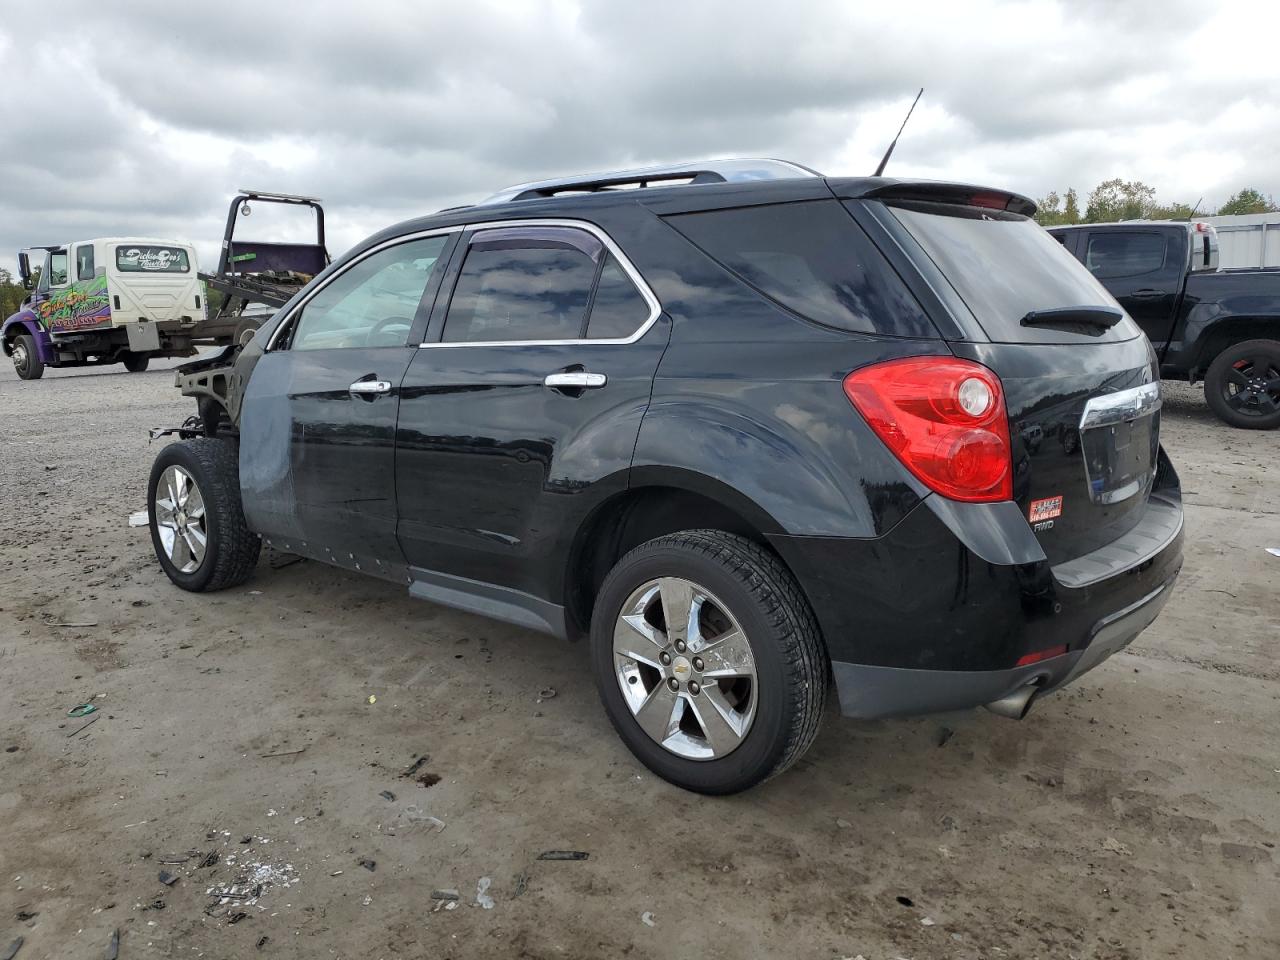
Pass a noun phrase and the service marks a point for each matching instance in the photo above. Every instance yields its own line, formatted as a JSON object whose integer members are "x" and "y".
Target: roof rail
{"x": 698, "y": 171}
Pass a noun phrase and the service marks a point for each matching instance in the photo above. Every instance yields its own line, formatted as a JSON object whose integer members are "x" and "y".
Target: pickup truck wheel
{"x": 136, "y": 362}
{"x": 26, "y": 360}
{"x": 708, "y": 660}
{"x": 197, "y": 523}
{"x": 1242, "y": 385}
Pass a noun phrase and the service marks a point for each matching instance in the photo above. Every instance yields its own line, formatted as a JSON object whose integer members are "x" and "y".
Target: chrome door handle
{"x": 575, "y": 380}
{"x": 370, "y": 386}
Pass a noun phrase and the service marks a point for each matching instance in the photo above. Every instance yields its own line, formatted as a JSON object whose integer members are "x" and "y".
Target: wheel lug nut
{"x": 680, "y": 646}
{"x": 697, "y": 664}
{"x": 673, "y": 683}
{"x": 694, "y": 688}
{"x": 665, "y": 658}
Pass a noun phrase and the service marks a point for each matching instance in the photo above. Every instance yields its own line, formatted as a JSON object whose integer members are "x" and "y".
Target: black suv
{"x": 744, "y": 428}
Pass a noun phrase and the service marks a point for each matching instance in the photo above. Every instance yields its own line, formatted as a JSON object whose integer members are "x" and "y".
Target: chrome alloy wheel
{"x": 685, "y": 668}
{"x": 180, "y": 519}
{"x": 19, "y": 355}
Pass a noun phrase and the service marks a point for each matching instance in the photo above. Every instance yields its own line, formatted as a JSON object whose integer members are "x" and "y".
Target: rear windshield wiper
{"x": 1104, "y": 317}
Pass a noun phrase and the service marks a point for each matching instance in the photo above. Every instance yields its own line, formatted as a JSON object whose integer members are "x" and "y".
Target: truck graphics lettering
{"x": 82, "y": 305}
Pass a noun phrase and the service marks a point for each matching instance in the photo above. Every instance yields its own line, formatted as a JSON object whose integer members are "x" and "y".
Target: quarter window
{"x": 1119, "y": 254}
{"x": 372, "y": 304}
{"x": 618, "y": 309}
{"x": 84, "y": 262}
{"x": 524, "y": 284}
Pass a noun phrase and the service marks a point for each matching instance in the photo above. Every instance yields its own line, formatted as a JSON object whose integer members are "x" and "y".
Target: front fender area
{"x": 25, "y": 321}
{"x": 809, "y": 467}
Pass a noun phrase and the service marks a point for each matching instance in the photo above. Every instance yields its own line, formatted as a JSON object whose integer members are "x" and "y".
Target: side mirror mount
{"x": 24, "y": 271}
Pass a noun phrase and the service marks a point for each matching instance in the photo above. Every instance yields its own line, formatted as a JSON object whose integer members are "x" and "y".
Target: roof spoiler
{"x": 959, "y": 193}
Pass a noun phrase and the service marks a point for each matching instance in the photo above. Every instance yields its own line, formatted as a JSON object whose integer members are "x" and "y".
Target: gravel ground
{"x": 1135, "y": 815}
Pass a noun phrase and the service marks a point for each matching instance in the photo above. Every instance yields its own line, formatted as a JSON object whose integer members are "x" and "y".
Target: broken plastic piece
{"x": 167, "y": 878}
{"x": 483, "y": 899}
{"x": 81, "y": 710}
{"x": 564, "y": 855}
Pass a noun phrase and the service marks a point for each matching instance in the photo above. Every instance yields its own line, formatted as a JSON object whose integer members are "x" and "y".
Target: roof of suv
{"x": 718, "y": 183}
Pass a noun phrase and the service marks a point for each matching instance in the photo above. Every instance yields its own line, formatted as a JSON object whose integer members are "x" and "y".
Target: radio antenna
{"x": 888, "y": 153}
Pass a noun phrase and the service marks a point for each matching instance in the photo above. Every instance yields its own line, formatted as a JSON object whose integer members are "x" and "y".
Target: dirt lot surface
{"x": 1135, "y": 815}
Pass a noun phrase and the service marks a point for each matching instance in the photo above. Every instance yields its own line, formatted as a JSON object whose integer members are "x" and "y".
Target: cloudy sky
{"x": 142, "y": 117}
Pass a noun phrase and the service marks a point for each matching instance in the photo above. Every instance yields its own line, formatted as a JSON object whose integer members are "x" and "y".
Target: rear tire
{"x": 136, "y": 362}
{"x": 1242, "y": 385}
{"x": 752, "y": 596}
{"x": 179, "y": 524}
{"x": 26, "y": 361}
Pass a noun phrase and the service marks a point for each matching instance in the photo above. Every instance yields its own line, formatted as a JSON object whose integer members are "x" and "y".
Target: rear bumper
{"x": 936, "y": 614}
{"x": 870, "y": 692}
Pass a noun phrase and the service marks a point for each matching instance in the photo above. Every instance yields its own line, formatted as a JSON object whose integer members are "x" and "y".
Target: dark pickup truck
{"x": 1220, "y": 326}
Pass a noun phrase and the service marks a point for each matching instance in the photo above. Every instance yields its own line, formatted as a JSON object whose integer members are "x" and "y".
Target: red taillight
{"x": 1039, "y": 655}
{"x": 992, "y": 201}
{"x": 944, "y": 418}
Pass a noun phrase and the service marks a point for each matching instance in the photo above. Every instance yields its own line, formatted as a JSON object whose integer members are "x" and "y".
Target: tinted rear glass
{"x": 143, "y": 258}
{"x": 812, "y": 258}
{"x": 1005, "y": 266}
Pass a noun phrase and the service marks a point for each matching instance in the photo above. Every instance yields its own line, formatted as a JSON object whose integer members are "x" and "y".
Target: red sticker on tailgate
{"x": 1045, "y": 509}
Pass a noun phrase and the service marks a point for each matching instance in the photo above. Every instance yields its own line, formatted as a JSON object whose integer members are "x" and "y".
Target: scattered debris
{"x": 271, "y": 812}
{"x": 926, "y": 921}
{"x": 1115, "y": 846}
{"x": 13, "y": 749}
{"x": 88, "y": 723}
{"x": 372, "y": 698}
{"x": 282, "y": 753}
{"x": 1274, "y": 551}
{"x": 483, "y": 900}
{"x": 564, "y": 855}
{"x": 156, "y": 904}
{"x": 139, "y": 518}
{"x": 905, "y": 901}
{"x": 178, "y": 857}
{"x": 298, "y": 820}
{"x": 11, "y": 951}
{"x": 546, "y": 694}
{"x": 75, "y": 623}
{"x": 416, "y": 766}
{"x": 81, "y": 710}
{"x": 647, "y": 919}
{"x": 113, "y": 945}
{"x": 211, "y": 858}
{"x": 944, "y": 734}
{"x": 237, "y": 916}
{"x": 387, "y": 795}
{"x": 23, "y": 916}
{"x": 367, "y": 900}
{"x": 521, "y": 884}
{"x": 167, "y": 878}
{"x": 842, "y": 823}
{"x": 336, "y": 873}
{"x": 428, "y": 779}
{"x": 370, "y": 865}
{"x": 262, "y": 941}
{"x": 445, "y": 895}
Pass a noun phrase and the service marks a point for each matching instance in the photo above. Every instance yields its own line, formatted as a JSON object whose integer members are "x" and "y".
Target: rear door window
{"x": 812, "y": 258}
{"x": 1123, "y": 254}
{"x": 524, "y": 284}
{"x": 1004, "y": 266}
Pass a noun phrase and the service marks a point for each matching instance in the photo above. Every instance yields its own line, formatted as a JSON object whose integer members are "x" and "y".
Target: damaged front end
{"x": 217, "y": 383}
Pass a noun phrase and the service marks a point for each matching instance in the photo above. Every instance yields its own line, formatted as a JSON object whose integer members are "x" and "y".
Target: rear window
{"x": 143, "y": 258}
{"x": 1004, "y": 266}
{"x": 813, "y": 259}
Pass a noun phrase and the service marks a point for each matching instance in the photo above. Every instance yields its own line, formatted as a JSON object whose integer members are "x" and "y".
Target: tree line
{"x": 1119, "y": 199}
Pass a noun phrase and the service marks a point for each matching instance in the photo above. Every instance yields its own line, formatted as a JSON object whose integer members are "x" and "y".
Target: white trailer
{"x": 1248, "y": 240}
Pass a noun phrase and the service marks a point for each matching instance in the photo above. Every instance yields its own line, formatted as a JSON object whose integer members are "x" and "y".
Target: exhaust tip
{"x": 1016, "y": 705}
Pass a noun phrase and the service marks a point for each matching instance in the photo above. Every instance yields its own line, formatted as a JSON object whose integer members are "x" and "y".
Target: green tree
{"x": 1248, "y": 200}
{"x": 1047, "y": 212}
{"x": 1071, "y": 212}
{"x": 1120, "y": 200}
{"x": 11, "y": 295}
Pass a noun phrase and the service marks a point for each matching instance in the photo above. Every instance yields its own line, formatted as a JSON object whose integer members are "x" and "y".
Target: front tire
{"x": 732, "y": 693}
{"x": 136, "y": 362}
{"x": 26, "y": 360}
{"x": 197, "y": 523}
{"x": 1242, "y": 385}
